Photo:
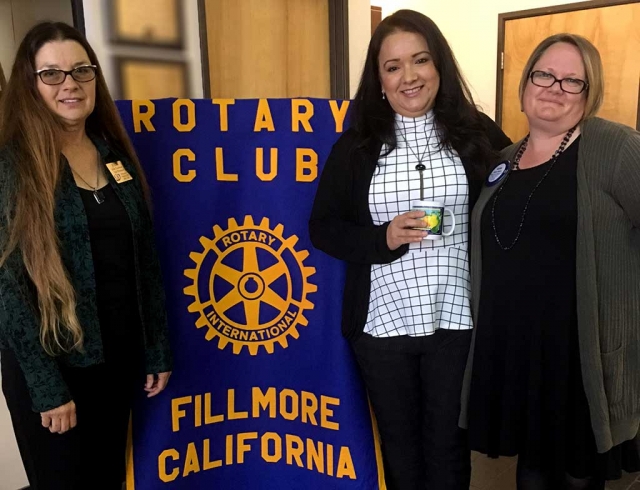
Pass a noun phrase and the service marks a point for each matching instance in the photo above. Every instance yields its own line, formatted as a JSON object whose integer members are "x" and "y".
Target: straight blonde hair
{"x": 592, "y": 68}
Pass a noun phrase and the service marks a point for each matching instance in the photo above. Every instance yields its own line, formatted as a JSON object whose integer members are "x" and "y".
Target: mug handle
{"x": 453, "y": 222}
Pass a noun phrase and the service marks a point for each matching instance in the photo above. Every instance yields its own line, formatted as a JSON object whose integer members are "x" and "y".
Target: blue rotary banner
{"x": 265, "y": 393}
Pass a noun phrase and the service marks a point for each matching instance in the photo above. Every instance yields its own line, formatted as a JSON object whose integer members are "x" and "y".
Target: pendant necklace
{"x": 420, "y": 167}
{"x": 98, "y": 195}
{"x": 516, "y": 166}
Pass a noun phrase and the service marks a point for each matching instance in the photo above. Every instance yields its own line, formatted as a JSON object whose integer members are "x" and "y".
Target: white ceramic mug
{"x": 433, "y": 218}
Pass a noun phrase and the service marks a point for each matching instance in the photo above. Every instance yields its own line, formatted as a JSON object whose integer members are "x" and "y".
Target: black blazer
{"x": 341, "y": 223}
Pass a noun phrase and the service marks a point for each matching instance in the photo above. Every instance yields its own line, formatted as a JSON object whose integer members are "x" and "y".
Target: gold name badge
{"x": 118, "y": 171}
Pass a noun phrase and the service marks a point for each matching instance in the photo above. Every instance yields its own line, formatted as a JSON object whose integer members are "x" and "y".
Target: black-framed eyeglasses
{"x": 54, "y": 76}
{"x": 569, "y": 85}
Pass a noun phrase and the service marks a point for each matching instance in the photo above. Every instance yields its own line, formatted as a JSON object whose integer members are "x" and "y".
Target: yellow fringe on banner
{"x": 376, "y": 440}
{"x": 130, "y": 480}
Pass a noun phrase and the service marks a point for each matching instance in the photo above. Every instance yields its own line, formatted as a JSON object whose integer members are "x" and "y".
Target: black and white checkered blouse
{"x": 428, "y": 287}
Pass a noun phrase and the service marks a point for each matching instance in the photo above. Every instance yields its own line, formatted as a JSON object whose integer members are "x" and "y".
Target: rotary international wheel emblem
{"x": 250, "y": 286}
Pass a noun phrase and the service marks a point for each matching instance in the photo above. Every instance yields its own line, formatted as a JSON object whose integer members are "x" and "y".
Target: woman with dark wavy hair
{"x": 416, "y": 135}
{"x": 82, "y": 323}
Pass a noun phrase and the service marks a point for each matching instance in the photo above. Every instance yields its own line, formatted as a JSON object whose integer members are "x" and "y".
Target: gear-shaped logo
{"x": 250, "y": 286}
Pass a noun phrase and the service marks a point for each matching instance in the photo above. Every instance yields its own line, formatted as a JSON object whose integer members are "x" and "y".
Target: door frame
{"x": 77, "y": 10}
{"x": 338, "y": 48}
{"x": 521, "y": 14}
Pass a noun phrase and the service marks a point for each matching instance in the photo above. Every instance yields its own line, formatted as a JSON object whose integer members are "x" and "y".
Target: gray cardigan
{"x": 607, "y": 277}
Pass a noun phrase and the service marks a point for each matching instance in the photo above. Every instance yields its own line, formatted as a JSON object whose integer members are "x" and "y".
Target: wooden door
{"x": 612, "y": 29}
{"x": 376, "y": 17}
{"x": 267, "y": 48}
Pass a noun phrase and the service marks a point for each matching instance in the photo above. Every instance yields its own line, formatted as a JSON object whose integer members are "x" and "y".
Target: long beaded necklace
{"x": 516, "y": 166}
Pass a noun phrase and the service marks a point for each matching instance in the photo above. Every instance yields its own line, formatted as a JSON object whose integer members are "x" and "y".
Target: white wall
{"x": 359, "y": 35}
{"x": 471, "y": 27}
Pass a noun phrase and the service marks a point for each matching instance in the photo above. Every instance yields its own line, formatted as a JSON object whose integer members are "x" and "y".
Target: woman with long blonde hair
{"x": 82, "y": 323}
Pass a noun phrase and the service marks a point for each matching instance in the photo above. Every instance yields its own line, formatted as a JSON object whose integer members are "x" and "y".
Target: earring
{"x": 383, "y": 96}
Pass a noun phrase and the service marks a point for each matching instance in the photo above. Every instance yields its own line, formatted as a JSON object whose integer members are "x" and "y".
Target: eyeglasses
{"x": 569, "y": 85}
{"x": 53, "y": 76}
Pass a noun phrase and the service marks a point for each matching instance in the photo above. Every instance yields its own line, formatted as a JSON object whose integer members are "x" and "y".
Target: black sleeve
{"x": 331, "y": 226}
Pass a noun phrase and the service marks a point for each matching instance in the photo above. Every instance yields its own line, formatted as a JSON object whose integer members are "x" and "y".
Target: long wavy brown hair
{"x": 31, "y": 133}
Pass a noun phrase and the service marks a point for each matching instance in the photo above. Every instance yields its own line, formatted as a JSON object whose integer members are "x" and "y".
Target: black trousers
{"x": 90, "y": 456}
{"x": 414, "y": 385}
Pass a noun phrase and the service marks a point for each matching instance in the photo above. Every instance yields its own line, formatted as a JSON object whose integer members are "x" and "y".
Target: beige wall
{"x": 11, "y": 469}
{"x": 17, "y": 17}
{"x": 6, "y": 36}
{"x": 470, "y": 26}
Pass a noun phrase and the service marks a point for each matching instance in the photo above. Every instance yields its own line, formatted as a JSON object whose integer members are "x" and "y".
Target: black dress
{"x": 92, "y": 455}
{"x": 526, "y": 394}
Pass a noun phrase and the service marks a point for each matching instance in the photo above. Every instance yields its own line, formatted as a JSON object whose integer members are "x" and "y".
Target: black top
{"x": 114, "y": 267}
{"x": 526, "y": 394}
{"x": 341, "y": 223}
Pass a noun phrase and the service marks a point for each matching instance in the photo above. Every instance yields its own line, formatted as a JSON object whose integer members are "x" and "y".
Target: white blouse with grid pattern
{"x": 428, "y": 287}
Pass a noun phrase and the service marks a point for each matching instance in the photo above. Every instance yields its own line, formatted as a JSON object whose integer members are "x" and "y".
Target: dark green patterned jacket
{"x": 19, "y": 321}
